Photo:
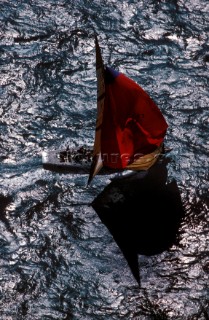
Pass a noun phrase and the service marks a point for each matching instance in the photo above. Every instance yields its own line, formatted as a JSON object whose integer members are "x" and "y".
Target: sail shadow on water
{"x": 143, "y": 214}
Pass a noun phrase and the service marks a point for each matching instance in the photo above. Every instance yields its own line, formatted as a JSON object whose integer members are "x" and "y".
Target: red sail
{"x": 132, "y": 124}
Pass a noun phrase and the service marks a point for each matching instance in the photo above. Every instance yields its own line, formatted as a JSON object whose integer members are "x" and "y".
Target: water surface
{"x": 66, "y": 253}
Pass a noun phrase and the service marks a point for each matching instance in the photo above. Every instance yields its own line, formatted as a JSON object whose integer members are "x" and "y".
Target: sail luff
{"x": 97, "y": 161}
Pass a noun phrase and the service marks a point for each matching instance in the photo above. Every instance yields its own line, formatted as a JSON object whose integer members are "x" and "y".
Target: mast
{"x": 97, "y": 160}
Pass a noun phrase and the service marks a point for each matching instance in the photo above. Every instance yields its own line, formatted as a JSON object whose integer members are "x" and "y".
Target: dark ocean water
{"x": 131, "y": 249}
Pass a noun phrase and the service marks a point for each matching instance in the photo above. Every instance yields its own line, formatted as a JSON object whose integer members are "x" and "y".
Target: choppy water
{"x": 61, "y": 257}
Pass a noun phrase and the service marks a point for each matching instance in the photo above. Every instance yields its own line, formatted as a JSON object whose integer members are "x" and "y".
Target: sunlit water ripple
{"x": 59, "y": 258}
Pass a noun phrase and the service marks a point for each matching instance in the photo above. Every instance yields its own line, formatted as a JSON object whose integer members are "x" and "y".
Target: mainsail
{"x": 130, "y": 128}
{"x": 133, "y": 126}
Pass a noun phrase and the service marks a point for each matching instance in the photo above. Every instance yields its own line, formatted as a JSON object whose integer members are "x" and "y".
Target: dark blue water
{"x": 136, "y": 249}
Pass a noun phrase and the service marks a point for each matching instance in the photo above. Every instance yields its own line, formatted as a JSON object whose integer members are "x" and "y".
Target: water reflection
{"x": 4, "y": 201}
{"x": 143, "y": 214}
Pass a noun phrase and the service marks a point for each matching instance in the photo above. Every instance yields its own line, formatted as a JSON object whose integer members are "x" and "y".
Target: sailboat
{"x": 130, "y": 129}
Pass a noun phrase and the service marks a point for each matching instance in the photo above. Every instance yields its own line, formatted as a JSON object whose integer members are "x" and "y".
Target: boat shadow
{"x": 143, "y": 214}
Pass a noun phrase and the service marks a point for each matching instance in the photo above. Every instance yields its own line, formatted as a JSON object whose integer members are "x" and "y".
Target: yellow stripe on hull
{"x": 146, "y": 161}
